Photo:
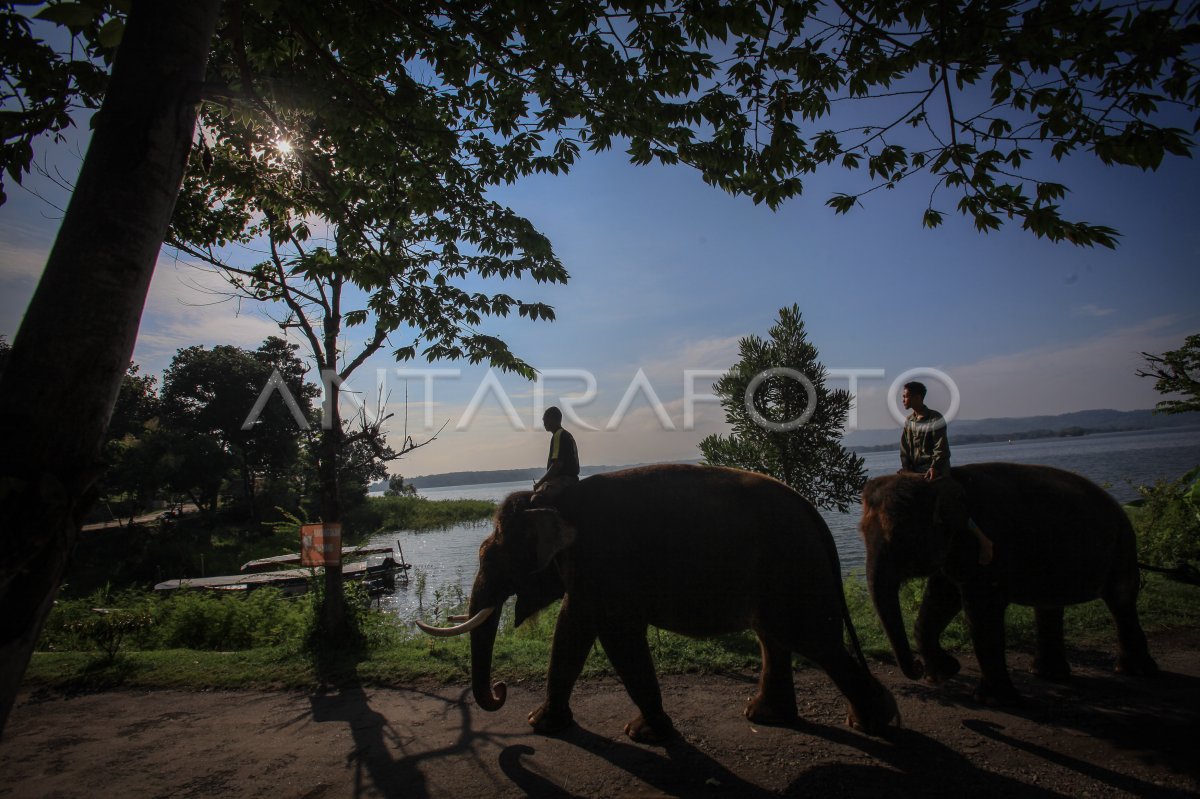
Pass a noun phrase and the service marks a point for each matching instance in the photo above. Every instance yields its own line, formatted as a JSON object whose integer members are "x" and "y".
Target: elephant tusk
{"x": 458, "y": 629}
{"x": 457, "y": 618}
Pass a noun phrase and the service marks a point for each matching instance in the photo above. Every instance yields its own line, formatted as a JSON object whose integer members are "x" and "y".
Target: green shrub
{"x": 106, "y": 629}
{"x": 185, "y": 619}
{"x": 1167, "y": 520}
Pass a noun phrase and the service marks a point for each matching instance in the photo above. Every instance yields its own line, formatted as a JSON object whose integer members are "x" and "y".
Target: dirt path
{"x": 1100, "y": 735}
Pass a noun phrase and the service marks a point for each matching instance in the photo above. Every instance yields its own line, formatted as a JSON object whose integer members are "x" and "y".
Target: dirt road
{"x": 1099, "y": 735}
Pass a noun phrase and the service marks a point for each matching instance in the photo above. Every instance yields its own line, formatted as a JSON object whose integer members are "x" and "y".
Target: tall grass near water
{"x": 380, "y": 514}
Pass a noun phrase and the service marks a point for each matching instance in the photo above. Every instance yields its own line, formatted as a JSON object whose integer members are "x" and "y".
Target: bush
{"x": 186, "y": 619}
{"x": 1167, "y": 520}
{"x": 204, "y": 620}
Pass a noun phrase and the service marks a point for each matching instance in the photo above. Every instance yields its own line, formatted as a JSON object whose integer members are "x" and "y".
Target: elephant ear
{"x": 551, "y": 534}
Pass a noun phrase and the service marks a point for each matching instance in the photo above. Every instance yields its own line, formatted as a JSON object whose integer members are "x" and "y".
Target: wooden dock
{"x": 296, "y": 581}
{"x": 293, "y": 558}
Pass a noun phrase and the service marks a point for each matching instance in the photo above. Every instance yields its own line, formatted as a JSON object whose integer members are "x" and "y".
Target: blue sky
{"x": 667, "y": 273}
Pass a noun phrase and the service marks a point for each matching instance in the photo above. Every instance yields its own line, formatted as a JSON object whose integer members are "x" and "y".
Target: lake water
{"x": 445, "y": 560}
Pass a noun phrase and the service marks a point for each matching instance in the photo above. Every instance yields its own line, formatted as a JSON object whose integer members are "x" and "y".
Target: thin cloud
{"x": 1097, "y": 373}
{"x": 1094, "y": 310}
{"x": 23, "y": 253}
{"x": 186, "y": 307}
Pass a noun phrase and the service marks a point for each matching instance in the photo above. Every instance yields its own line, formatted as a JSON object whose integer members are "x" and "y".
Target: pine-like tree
{"x": 784, "y": 421}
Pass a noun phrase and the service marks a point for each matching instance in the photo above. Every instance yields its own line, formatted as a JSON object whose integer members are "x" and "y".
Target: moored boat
{"x": 379, "y": 571}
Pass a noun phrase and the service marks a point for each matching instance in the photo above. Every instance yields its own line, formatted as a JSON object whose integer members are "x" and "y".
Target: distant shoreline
{"x": 1165, "y": 424}
{"x": 1032, "y": 435}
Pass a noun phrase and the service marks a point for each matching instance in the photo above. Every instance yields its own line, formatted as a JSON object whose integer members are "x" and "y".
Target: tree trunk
{"x": 74, "y": 345}
{"x": 333, "y": 608}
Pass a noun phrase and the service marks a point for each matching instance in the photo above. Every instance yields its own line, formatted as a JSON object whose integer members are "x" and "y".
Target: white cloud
{"x": 189, "y": 306}
{"x": 22, "y": 256}
{"x": 1097, "y": 373}
{"x": 1094, "y": 310}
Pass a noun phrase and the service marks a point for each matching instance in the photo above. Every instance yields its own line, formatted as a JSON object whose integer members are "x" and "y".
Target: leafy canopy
{"x": 976, "y": 98}
{"x": 784, "y": 421}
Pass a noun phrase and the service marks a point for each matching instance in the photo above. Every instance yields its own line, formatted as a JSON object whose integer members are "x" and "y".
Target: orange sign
{"x": 321, "y": 544}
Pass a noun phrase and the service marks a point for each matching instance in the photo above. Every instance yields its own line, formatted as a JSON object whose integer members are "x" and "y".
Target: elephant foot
{"x": 1140, "y": 666}
{"x": 875, "y": 717}
{"x": 643, "y": 731}
{"x": 761, "y": 710}
{"x": 549, "y": 721}
{"x": 940, "y": 666}
{"x": 991, "y": 695}
{"x": 1054, "y": 670}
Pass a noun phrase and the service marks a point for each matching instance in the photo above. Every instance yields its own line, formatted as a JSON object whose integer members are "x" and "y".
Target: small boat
{"x": 379, "y": 572}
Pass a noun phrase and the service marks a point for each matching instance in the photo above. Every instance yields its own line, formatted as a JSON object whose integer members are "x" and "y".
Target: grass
{"x": 380, "y": 514}
{"x": 272, "y": 657}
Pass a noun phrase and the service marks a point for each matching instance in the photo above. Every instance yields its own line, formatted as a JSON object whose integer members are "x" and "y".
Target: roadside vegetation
{"x": 195, "y": 640}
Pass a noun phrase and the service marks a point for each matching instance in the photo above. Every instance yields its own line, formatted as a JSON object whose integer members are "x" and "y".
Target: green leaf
{"x": 74, "y": 15}
{"x": 842, "y": 203}
{"x": 112, "y": 32}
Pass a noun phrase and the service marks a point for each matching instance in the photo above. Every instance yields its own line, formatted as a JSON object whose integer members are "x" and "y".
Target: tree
{"x": 1176, "y": 372}
{"x": 76, "y": 339}
{"x": 784, "y": 421}
{"x": 137, "y": 403}
{"x": 210, "y": 394}
{"x": 371, "y": 204}
{"x": 398, "y": 488}
{"x": 207, "y": 395}
{"x": 129, "y": 451}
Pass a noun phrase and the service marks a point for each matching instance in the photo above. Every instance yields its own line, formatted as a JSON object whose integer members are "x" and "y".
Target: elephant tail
{"x": 1183, "y": 572}
{"x": 835, "y": 563}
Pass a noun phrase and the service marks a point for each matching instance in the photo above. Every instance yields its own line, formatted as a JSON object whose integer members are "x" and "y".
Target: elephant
{"x": 1058, "y": 539}
{"x": 697, "y": 550}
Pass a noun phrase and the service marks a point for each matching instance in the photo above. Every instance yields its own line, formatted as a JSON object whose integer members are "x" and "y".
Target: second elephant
{"x": 1058, "y": 540}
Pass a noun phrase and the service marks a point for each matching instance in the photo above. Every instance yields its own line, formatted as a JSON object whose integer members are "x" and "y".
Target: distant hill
{"x": 966, "y": 431}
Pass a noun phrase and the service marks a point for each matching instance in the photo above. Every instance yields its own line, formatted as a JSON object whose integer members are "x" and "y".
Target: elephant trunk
{"x": 483, "y": 639}
{"x": 885, "y": 593}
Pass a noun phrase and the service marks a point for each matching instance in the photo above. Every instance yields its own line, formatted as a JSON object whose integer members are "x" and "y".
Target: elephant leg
{"x": 776, "y": 700}
{"x": 984, "y": 611}
{"x": 1050, "y": 663}
{"x": 871, "y": 707}
{"x": 940, "y": 604}
{"x": 629, "y": 652}
{"x": 573, "y": 639}
{"x": 1133, "y": 654}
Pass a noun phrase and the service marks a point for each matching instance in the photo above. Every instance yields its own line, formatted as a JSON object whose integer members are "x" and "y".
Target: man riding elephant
{"x": 925, "y": 450}
{"x": 562, "y": 464}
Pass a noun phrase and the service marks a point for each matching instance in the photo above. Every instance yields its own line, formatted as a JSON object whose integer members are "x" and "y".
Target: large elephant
{"x": 696, "y": 550}
{"x": 1058, "y": 540}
